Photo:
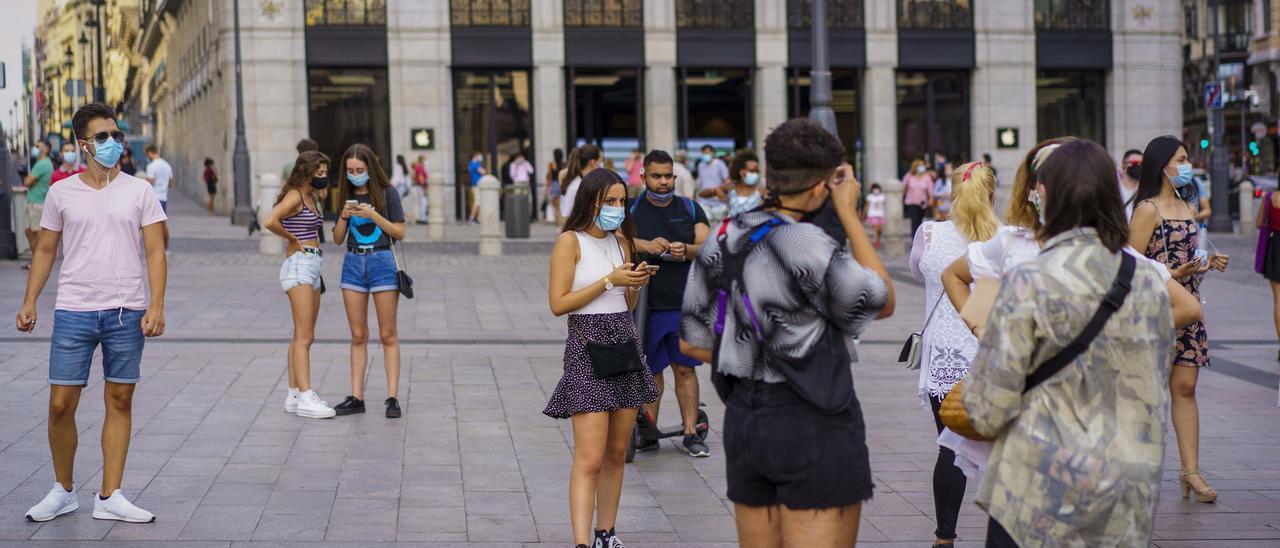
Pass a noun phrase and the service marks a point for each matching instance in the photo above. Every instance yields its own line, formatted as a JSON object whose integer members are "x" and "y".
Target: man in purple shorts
{"x": 669, "y": 231}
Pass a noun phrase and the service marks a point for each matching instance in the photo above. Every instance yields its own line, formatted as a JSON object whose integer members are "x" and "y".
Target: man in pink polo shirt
{"x": 97, "y": 216}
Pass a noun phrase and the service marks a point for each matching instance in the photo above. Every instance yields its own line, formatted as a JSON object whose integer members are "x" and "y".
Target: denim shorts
{"x": 77, "y": 334}
{"x": 370, "y": 273}
{"x": 301, "y": 269}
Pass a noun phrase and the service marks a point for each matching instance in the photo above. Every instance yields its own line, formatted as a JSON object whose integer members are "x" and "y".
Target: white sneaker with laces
{"x": 118, "y": 508}
{"x": 312, "y": 407}
{"x": 291, "y": 401}
{"x": 59, "y": 501}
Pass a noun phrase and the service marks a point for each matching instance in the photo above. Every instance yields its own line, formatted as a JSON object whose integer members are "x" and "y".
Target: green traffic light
{"x": 1204, "y": 143}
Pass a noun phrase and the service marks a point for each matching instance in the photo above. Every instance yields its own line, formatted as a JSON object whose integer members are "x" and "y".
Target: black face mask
{"x": 1133, "y": 171}
{"x": 319, "y": 183}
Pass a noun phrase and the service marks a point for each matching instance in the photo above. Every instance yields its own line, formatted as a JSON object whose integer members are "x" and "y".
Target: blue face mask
{"x": 660, "y": 198}
{"x": 35, "y": 152}
{"x": 610, "y": 218}
{"x": 752, "y": 179}
{"x": 358, "y": 180}
{"x": 108, "y": 154}
{"x": 70, "y": 157}
{"x": 707, "y": 158}
{"x": 1184, "y": 177}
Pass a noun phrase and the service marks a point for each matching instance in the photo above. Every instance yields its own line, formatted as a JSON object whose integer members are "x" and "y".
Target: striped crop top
{"x": 304, "y": 225}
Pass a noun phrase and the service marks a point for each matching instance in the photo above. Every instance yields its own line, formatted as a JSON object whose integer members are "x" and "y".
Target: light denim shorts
{"x": 77, "y": 334}
{"x": 301, "y": 269}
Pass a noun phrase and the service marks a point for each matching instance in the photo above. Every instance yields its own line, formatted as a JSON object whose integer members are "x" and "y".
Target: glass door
{"x": 491, "y": 117}
{"x": 933, "y": 118}
{"x": 349, "y": 106}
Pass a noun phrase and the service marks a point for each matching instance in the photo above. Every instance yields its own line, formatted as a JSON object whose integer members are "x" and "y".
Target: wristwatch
{"x": 608, "y": 285}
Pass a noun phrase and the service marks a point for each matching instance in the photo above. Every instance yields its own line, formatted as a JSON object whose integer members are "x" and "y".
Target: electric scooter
{"x": 646, "y": 429}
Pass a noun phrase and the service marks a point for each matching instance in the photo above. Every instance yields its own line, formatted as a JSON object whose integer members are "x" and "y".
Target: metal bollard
{"x": 268, "y": 189}
{"x": 19, "y": 197}
{"x": 490, "y": 223}
{"x": 435, "y": 211}
{"x": 1245, "y": 195}
{"x": 895, "y": 225}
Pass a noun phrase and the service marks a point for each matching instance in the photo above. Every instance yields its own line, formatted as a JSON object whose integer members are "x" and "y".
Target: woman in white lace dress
{"x": 947, "y": 345}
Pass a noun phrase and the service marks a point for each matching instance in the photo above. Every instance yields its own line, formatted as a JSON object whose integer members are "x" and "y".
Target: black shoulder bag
{"x": 610, "y": 360}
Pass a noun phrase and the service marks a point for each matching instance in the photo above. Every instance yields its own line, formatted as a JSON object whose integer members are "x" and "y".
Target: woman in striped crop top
{"x": 296, "y": 218}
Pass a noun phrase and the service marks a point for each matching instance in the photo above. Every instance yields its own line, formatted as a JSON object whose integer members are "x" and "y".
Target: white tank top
{"x": 599, "y": 258}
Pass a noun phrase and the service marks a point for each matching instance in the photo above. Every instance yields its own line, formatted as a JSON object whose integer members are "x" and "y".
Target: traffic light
{"x": 1253, "y": 148}
{"x": 1204, "y": 144}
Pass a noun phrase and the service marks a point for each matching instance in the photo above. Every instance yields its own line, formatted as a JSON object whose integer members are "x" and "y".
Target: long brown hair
{"x": 1080, "y": 185}
{"x": 304, "y": 169}
{"x": 591, "y": 193}
{"x": 1021, "y": 211}
{"x": 377, "y": 184}
{"x": 578, "y": 159}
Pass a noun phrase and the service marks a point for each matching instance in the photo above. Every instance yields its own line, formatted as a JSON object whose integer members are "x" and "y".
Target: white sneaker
{"x": 59, "y": 501}
{"x": 118, "y": 508}
{"x": 291, "y": 401}
{"x": 312, "y": 407}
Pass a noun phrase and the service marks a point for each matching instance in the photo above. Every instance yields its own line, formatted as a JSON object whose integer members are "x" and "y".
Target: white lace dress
{"x": 947, "y": 346}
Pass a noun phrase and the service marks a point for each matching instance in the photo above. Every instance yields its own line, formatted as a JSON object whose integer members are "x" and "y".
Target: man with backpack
{"x": 669, "y": 231}
{"x": 773, "y": 302}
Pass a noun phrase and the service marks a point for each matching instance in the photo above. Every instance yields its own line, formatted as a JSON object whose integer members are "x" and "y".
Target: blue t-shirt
{"x": 474, "y": 169}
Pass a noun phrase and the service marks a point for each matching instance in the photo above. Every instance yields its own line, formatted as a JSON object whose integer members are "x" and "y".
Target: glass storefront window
{"x": 715, "y": 14}
{"x": 1073, "y": 14}
{"x": 348, "y": 106}
{"x": 715, "y": 108}
{"x": 1071, "y": 103}
{"x": 489, "y": 13}
{"x": 841, "y": 14}
{"x": 490, "y": 116}
{"x": 607, "y": 110}
{"x": 604, "y": 13}
{"x": 933, "y": 117}
{"x": 325, "y": 13}
{"x": 935, "y": 14}
{"x": 844, "y": 101}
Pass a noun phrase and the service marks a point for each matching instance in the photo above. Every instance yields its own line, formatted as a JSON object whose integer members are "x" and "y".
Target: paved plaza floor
{"x": 473, "y": 460}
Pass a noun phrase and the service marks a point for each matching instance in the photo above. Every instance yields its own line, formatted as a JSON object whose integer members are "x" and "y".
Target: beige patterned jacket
{"x": 1077, "y": 459}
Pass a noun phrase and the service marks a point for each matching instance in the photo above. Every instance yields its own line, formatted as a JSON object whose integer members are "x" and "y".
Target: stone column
{"x": 420, "y": 86}
{"x": 268, "y": 187}
{"x": 548, "y": 83}
{"x": 1004, "y": 86}
{"x": 1144, "y": 86}
{"x": 490, "y": 222}
{"x": 880, "y": 111}
{"x": 274, "y": 68}
{"x": 769, "y": 90}
{"x": 660, "y": 94}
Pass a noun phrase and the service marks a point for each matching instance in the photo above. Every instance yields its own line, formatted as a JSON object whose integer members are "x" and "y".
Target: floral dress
{"x": 1174, "y": 245}
{"x": 947, "y": 346}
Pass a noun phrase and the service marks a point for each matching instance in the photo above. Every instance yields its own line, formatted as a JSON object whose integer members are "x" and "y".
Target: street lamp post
{"x": 243, "y": 212}
{"x": 100, "y": 90}
{"x": 820, "y": 73}
{"x": 84, "y": 61}
{"x": 1220, "y": 218}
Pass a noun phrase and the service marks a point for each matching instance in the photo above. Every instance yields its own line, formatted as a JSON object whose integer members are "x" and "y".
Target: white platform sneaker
{"x": 59, "y": 501}
{"x": 291, "y": 401}
{"x": 118, "y": 508}
{"x": 312, "y": 407}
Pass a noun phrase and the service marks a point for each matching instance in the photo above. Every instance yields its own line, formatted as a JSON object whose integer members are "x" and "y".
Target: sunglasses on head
{"x": 102, "y": 136}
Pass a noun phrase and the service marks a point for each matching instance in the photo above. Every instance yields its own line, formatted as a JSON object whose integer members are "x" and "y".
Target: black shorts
{"x": 780, "y": 449}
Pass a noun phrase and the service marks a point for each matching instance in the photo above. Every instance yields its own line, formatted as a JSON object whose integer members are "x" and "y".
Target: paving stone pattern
{"x": 473, "y": 460}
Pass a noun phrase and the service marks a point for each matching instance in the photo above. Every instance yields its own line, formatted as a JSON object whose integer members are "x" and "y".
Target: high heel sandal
{"x": 1203, "y": 494}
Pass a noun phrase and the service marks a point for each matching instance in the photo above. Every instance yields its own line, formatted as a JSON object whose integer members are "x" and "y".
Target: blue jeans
{"x": 370, "y": 273}
{"x": 77, "y": 334}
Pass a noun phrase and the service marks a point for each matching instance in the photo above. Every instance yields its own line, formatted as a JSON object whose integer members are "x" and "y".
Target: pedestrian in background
{"x": 160, "y": 175}
{"x": 419, "y": 191}
{"x": 875, "y": 211}
{"x": 126, "y": 163}
{"x": 712, "y": 175}
{"x": 70, "y": 163}
{"x": 210, "y": 177}
{"x": 297, "y": 217}
{"x": 1164, "y": 228}
{"x": 98, "y": 243}
{"x": 686, "y": 184}
{"x": 670, "y": 230}
{"x": 1267, "y": 261}
{"x": 37, "y": 183}
{"x": 794, "y": 438}
{"x": 942, "y": 197}
{"x": 304, "y": 145}
{"x": 947, "y": 347}
{"x": 553, "y": 186}
{"x": 582, "y": 160}
{"x": 634, "y": 167}
{"x": 594, "y": 281}
{"x": 917, "y": 193}
{"x": 1130, "y": 170}
{"x": 372, "y": 219}
{"x": 400, "y": 176}
{"x": 476, "y": 171}
{"x": 743, "y": 187}
{"x": 1077, "y": 459}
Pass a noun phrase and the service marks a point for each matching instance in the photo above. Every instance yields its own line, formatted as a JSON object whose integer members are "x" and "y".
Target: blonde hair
{"x": 917, "y": 163}
{"x": 972, "y": 186}
{"x": 1021, "y": 212}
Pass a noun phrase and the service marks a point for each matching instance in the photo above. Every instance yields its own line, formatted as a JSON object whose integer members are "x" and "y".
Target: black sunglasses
{"x": 101, "y": 137}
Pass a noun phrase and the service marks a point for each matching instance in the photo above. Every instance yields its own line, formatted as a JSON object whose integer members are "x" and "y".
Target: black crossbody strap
{"x": 1110, "y": 304}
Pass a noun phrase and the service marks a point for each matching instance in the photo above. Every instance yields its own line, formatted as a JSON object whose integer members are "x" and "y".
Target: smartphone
{"x": 352, "y": 203}
{"x": 652, "y": 268}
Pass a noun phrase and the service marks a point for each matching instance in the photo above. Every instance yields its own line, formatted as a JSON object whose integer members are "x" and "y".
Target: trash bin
{"x": 516, "y": 211}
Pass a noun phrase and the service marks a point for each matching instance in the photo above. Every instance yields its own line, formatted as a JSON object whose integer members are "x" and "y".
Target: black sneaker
{"x": 647, "y": 445}
{"x": 694, "y": 447}
{"x": 607, "y": 539}
{"x": 349, "y": 406}
{"x": 393, "y": 408}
